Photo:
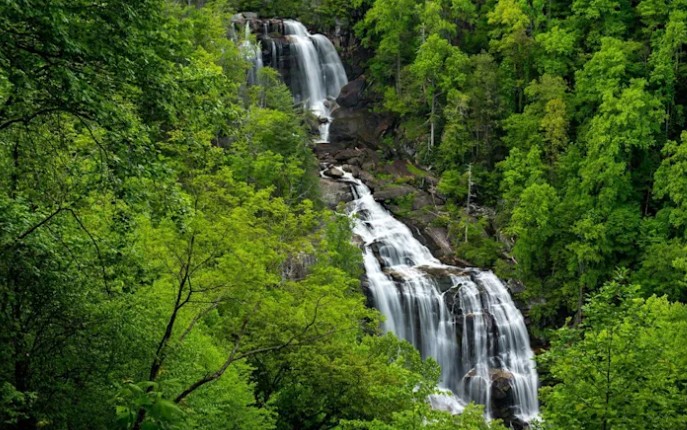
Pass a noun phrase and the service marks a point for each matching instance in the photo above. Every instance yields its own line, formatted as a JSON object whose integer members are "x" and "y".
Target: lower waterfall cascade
{"x": 463, "y": 318}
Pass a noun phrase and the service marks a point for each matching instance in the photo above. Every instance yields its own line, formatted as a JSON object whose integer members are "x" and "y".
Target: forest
{"x": 167, "y": 260}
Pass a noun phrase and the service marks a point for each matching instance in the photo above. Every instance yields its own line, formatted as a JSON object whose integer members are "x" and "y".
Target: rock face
{"x": 352, "y": 95}
{"x": 334, "y": 192}
{"x": 394, "y": 192}
{"x": 354, "y": 121}
{"x": 359, "y": 126}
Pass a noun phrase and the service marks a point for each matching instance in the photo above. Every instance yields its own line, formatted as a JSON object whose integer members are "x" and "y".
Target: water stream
{"x": 318, "y": 74}
{"x": 463, "y": 318}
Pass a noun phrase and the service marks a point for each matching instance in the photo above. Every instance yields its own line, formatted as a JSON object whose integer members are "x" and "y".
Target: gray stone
{"x": 244, "y": 16}
{"x": 351, "y": 94}
{"x": 334, "y": 192}
{"x": 392, "y": 192}
{"x": 439, "y": 236}
{"x": 515, "y": 286}
{"x": 423, "y": 200}
{"x": 334, "y": 172}
{"x": 353, "y": 170}
{"x": 359, "y": 125}
{"x": 442, "y": 271}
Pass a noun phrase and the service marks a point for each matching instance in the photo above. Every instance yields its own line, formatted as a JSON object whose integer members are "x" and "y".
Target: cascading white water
{"x": 465, "y": 319}
{"x": 484, "y": 338}
{"x": 251, "y": 52}
{"x": 319, "y": 73}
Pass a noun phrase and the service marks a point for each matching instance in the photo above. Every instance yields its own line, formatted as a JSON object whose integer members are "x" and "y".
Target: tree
{"x": 389, "y": 26}
{"x": 438, "y": 69}
{"x": 670, "y": 181}
{"x": 620, "y": 367}
{"x": 512, "y": 39}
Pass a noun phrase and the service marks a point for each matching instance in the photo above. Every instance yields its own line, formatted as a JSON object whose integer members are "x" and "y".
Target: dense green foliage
{"x": 570, "y": 118}
{"x": 565, "y": 120}
{"x": 622, "y": 368}
{"x": 165, "y": 261}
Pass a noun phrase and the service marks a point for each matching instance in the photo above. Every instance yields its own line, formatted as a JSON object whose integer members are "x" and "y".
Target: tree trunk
{"x": 431, "y": 121}
{"x": 398, "y": 74}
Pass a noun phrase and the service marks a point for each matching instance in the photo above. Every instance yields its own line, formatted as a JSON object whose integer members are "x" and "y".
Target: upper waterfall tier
{"x": 308, "y": 63}
{"x": 463, "y": 318}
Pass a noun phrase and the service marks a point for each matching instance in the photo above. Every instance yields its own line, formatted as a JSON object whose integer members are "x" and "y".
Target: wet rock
{"x": 501, "y": 384}
{"x": 244, "y": 16}
{"x": 363, "y": 214}
{"x": 351, "y": 156}
{"x": 357, "y": 241}
{"x": 369, "y": 180}
{"x": 340, "y": 153}
{"x": 359, "y": 125}
{"x": 334, "y": 172}
{"x": 351, "y": 94}
{"x": 365, "y": 285}
{"x": 353, "y": 170}
{"x": 394, "y": 275}
{"x": 389, "y": 256}
{"x": 439, "y": 237}
{"x": 515, "y": 286}
{"x": 443, "y": 271}
{"x": 433, "y": 237}
{"x": 334, "y": 192}
{"x": 444, "y": 283}
{"x": 502, "y": 405}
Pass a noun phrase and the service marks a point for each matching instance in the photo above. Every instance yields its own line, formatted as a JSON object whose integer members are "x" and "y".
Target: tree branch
{"x": 233, "y": 357}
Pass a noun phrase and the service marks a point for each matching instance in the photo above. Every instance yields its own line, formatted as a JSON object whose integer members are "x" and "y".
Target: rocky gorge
{"x": 449, "y": 310}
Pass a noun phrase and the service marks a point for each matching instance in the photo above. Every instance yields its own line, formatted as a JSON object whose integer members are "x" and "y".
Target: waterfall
{"x": 252, "y": 53}
{"x": 463, "y": 318}
{"x": 308, "y": 63}
{"x": 317, "y": 75}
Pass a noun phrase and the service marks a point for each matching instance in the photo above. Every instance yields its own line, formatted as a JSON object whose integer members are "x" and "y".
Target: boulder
{"x": 369, "y": 180}
{"x": 350, "y": 156}
{"x": 351, "y": 95}
{"x": 353, "y": 170}
{"x": 422, "y": 200}
{"x": 442, "y": 275}
{"x": 334, "y": 172}
{"x": 439, "y": 237}
{"x": 357, "y": 241}
{"x": 334, "y": 192}
{"x": 393, "y": 191}
{"x": 396, "y": 276}
{"x": 443, "y": 271}
{"x": 501, "y": 384}
{"x": 515, "y": 286}
{"x": 359, "y": 125}
{"x": 365, "y": 285}
{"x": 503, "y": 398}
